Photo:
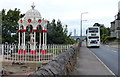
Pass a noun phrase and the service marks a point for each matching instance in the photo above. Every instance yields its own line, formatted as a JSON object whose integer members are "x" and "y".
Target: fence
{"x": 10, "y": 53}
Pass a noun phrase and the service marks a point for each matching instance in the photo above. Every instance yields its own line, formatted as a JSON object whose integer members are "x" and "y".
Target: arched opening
{"x": 78, "y": 39}
{"x": 38, "y": 35}
{"x": 29, "y": 30}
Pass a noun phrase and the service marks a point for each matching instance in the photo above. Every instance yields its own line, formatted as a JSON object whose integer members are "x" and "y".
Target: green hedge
{"x": 106, "y": 39}
{"x": 118, "y": 39}
{"x": 110, "y": 38}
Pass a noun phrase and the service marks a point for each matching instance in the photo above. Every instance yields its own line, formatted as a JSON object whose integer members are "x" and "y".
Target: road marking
{"x": 114, "y": 51}
{"x": 103, "y": 64}
{"x": 109, "y": 49}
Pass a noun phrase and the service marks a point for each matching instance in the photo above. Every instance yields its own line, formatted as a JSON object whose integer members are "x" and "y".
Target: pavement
{"x": 89, "y": 64}
{"x": 115, "y": 46}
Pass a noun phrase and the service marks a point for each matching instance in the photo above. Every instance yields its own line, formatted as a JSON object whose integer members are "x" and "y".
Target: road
{"x": 108, "y": 56}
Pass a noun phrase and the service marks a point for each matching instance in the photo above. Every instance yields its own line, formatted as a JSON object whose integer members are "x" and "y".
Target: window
{"x": 90, "y": 37}
{"x": 93, "y": 30}
{"x": 118, "y": 28}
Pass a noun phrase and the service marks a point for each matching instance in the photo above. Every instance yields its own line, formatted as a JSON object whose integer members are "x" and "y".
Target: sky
{"x": 69, "y": 11}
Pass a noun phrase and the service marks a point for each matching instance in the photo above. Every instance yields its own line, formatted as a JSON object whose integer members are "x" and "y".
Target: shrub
{"x": 106, "y": 39}
{"x": 118, "y": 39}
{"x": 103, "y": 37}
{"x": 110, "y": 38}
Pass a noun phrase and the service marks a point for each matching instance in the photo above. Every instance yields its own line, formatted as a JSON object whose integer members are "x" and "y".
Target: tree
{"x": 0, "y": 27}
{"x": 56, "y": 33}
{"x": 104, "y": 32}
{"x": 99, "y": 25}
{"x": 109, "y": 31}
{"x": 10, "y": 25}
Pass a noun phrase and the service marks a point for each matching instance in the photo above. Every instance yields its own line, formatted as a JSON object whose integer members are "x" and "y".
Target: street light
{"x": 81, "y": 22}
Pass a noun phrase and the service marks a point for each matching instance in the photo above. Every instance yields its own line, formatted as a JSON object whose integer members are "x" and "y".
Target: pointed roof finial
{"x": 33, "y": 6}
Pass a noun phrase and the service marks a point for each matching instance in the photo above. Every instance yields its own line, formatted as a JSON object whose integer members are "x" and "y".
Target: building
{"x": 115, "y": 25}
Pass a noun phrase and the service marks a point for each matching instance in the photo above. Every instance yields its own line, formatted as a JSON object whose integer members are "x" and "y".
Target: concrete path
{"x": 88, "y": 64}
{"x": 117, "y": 46}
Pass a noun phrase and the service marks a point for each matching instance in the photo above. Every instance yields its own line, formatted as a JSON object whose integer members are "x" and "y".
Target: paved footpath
{"x": 88, "y": 64}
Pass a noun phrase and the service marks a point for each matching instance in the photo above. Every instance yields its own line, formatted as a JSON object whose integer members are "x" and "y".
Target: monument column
{"x": 23, "y": 41}
{"x": 34, "y": 41}
{"x": 19, "y": 32}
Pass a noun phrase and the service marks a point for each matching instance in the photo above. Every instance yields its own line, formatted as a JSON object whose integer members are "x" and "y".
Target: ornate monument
{"x": 32, "y": 20}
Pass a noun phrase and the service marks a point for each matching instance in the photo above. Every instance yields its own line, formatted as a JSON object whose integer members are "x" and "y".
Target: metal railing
{"x": 10, "y": 53}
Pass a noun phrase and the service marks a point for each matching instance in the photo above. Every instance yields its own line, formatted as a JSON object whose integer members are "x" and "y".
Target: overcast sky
{"x": 68, "y": 11}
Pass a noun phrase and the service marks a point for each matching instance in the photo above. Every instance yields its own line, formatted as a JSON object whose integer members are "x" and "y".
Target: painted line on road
{"x": 103, "y": 64}
{"x": 109, "y": 49}
{"x": 114, "y": 51}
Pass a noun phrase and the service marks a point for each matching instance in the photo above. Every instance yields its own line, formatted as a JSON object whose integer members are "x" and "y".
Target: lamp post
{"x": 81, "y": 22}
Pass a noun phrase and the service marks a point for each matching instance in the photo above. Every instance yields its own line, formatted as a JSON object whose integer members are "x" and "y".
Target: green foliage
{"x": 103, "y": 37}
{"x": 109, "y": 32}
{"x": 118, "y": 39}
{"x": 99, "y": 25}
{"x": 110, "y": 38}
{"x": 104, "y": 32}
{"x": 9, "y": 24}
{"x": 57, "y": 34}
{"x": 0, "y": 27}
{"x": 106, "y": 39}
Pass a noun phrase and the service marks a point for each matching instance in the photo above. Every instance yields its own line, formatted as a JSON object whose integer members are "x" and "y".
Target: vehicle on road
{"x": 93, "y": 37}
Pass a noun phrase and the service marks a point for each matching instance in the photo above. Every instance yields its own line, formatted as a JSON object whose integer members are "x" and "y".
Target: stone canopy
{"x": 33, "y": 13}
{"x": 32, "y": 17}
